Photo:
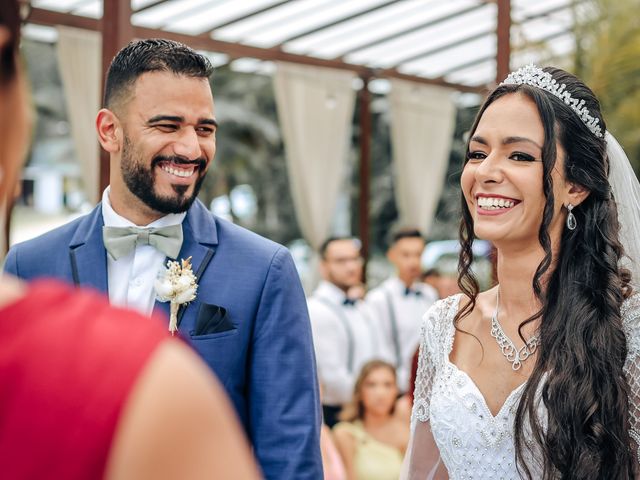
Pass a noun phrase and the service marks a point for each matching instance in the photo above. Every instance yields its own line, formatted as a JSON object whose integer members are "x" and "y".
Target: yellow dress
{"x": 373, "y": 460}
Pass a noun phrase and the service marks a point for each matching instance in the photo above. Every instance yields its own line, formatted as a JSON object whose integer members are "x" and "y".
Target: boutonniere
{"x": 176, "y": 284}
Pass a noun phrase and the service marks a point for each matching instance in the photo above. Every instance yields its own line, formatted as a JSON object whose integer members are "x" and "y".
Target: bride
{"x": 537, "y": 377}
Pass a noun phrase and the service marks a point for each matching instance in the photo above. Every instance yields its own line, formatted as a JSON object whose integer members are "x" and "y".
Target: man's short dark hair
{"x": 405, "y": 233}
{"x": 325, "y": 245}
{"x": 152, "y": 55}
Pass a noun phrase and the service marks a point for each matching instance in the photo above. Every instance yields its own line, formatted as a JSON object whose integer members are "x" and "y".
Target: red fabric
{"x": 67, "y": 363}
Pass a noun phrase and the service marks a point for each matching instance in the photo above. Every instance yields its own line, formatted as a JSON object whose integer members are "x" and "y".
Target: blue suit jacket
{"x": 249, "y": 322}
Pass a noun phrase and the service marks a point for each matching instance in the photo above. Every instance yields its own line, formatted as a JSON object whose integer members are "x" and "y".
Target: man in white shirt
{"x": 400, "y": 302}
{"x": 344, "y": 335}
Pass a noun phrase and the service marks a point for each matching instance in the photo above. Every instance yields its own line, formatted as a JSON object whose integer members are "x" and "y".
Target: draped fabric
{"x": 79, "y": 61}
{"x": 422, "y": 123}
{"x": 315, "y": 110}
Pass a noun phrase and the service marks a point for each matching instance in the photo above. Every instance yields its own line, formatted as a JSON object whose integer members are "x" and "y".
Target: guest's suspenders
{"x": 394, "y": 328}
{"x": 345, "y": 323}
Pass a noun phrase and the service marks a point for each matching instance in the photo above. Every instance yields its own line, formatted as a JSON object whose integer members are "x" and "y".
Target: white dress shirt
{"x": 400, "y": 316}
{"x": 334, "y": 327}
{"x": 130, "y": 278}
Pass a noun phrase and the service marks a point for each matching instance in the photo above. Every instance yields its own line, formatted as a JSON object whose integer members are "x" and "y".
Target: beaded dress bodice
{"x": 472, "y": 442}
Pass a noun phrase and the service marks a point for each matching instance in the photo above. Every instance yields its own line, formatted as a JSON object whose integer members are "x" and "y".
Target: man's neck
{"x": 342, "y": 288}
{"x": 406, "y": 280}
{"x": 130, "y": 207}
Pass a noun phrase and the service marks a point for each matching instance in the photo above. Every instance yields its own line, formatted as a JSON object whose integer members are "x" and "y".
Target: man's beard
{"x": 140, "y": 180}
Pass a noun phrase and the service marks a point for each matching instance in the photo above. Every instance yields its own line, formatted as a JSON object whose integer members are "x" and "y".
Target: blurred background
{"x": 388, "y": 89}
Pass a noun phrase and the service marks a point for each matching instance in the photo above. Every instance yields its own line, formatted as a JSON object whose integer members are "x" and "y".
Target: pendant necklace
{"x": 515, "y": 356}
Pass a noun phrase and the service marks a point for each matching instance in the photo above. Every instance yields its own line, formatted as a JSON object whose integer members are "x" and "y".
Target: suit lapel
{"x": 87, "y": 254}
{"x": 200, "y": 242}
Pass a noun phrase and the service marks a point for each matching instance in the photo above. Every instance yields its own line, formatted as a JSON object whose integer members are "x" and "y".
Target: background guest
{"x": 401, "y": 300}
{"x": 371, "y": 440}
{"x": 344, "y": 332}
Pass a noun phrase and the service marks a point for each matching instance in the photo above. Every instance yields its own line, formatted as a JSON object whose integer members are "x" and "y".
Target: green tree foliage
{"x": 608, "y": 59}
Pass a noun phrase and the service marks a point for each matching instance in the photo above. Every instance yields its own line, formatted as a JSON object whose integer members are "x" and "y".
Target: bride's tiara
{"x": 536, "y": 77}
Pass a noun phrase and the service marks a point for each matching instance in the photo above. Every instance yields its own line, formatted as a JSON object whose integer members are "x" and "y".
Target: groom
{"x": 249, "y": 320}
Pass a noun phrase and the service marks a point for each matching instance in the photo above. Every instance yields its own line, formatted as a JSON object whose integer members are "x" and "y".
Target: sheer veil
{"x": 626, "y": 191}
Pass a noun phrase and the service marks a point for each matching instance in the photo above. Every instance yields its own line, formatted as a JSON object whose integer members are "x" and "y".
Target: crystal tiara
{"x": 536, "y": 77}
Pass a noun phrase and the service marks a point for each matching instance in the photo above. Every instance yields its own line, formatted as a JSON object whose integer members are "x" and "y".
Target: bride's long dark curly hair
{"x": 578, "y": 373}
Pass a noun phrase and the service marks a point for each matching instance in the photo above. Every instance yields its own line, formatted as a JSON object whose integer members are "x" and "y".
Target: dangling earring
{"x": 571, "y": 219}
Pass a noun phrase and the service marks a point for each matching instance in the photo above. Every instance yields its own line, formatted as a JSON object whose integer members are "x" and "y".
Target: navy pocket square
{"x": 212, "y": 319}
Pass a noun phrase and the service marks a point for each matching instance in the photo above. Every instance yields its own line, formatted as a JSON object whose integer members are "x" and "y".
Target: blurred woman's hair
{"x": 9, "y": 20}
{"x": 354, "y": 410}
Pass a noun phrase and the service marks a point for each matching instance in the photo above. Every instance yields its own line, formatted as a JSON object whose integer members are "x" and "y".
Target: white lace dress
{"x": 454, "y": 435}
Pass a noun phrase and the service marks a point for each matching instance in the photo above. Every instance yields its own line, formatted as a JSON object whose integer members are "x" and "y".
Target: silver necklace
{"x": 515, "y": 356}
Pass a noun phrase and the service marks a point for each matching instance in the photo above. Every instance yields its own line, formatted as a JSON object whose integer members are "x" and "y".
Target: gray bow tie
{"x": 120, "y": 241}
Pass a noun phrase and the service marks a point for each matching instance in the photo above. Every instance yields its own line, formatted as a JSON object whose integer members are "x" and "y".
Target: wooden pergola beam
{"x": 365, "y": 171}
{"x": 503, "y": 34}
{"x": 50, "y": 18}
{"x": 238, "y": 50}
{"x": 117, "y": 31}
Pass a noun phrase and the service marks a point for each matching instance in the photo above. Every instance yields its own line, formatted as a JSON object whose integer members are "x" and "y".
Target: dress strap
{"x": 394, "y": 327}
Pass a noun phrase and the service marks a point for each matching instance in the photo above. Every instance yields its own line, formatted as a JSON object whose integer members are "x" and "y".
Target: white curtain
{"x": 422, "y": 123}
{"x": 80, "y": 65}
{"x": 315, "y": 110}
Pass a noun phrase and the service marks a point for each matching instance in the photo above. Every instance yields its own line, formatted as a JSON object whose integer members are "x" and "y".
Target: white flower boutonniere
{"x": 176, "y": 284}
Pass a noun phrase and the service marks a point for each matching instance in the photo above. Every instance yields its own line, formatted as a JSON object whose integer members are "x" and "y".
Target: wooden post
{"x": 117, "y": 31}
{"x": 365, "y": 170}
{"x": 503, "y": 35}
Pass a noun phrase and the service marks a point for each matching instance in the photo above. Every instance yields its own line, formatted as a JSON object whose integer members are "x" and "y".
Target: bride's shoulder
{"x": 630, "y": 313}
{"x": 439, "y": 318}
{"x": 442, "y": 311}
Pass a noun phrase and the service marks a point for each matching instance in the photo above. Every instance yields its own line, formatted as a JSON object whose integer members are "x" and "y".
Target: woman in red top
{"x": 88, "y": 391}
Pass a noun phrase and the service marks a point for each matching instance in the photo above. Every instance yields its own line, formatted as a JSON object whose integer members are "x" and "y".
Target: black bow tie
{"x": 349, "y": 302}
{"x": 409, "y": 291}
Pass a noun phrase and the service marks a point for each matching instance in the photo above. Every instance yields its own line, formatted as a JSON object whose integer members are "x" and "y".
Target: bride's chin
{"x": 489, "y": 235}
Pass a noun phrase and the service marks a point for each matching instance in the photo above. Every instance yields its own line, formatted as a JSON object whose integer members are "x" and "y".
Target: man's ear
{"x": 109, "y": 130}
{"x": 576, "y": 194}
